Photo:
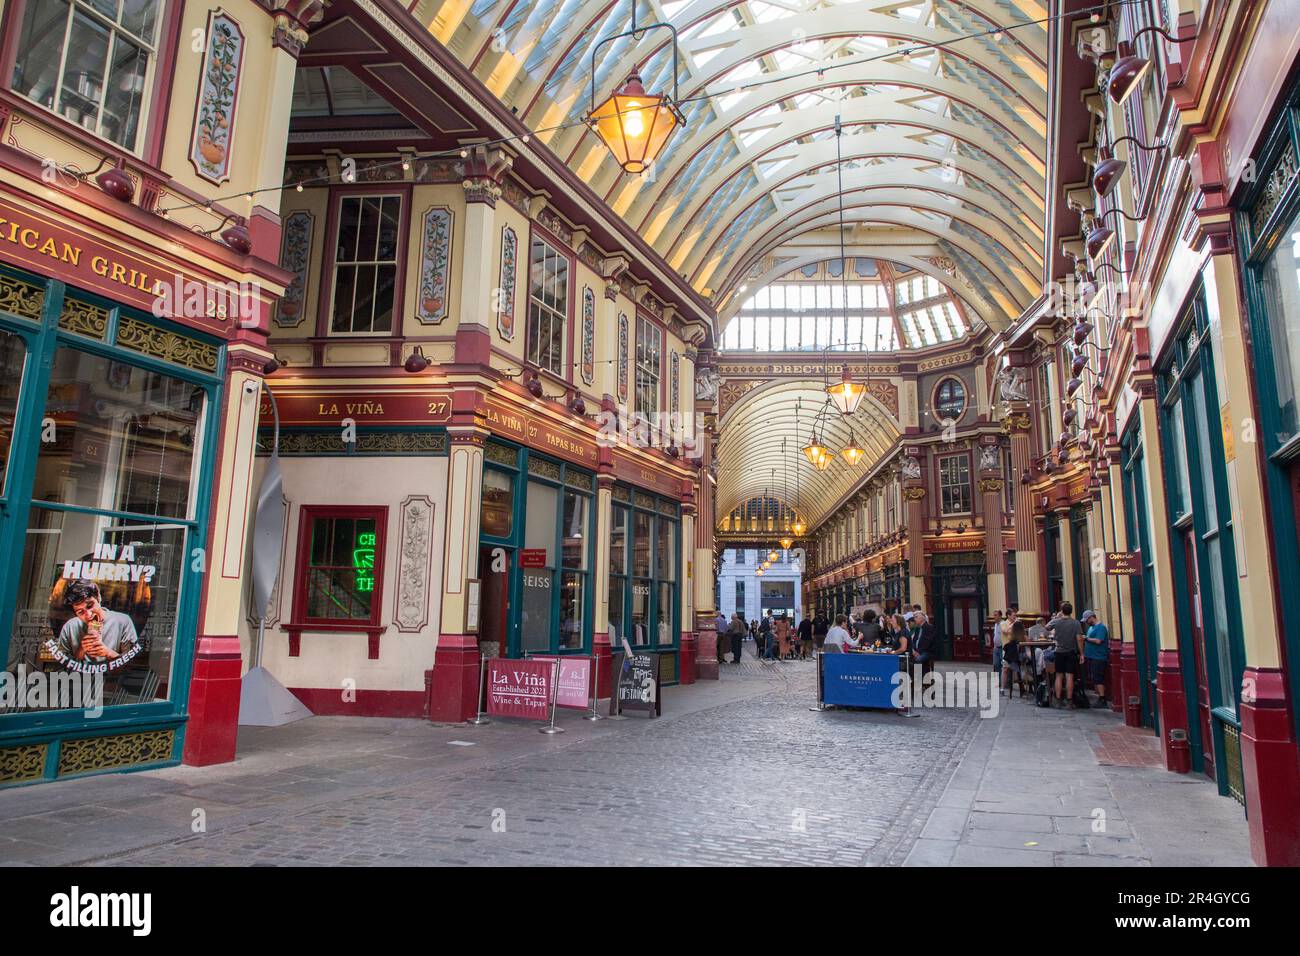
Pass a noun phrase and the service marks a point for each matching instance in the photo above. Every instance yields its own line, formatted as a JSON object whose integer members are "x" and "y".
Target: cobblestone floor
{"x": 738, "y": 771}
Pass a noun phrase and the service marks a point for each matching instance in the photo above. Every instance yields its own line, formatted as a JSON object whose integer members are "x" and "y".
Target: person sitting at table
{"x": 902, "y": 641}
{"x": 837, "y": 637}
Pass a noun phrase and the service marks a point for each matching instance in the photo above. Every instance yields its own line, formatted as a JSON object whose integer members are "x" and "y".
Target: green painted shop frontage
{"x": 109, "y": 422}
{"x": 538, "y": 535}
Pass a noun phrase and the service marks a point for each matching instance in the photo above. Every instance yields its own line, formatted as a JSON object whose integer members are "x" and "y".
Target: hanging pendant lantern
{"x": 635, "y": 125}
{"x": 799, "y": 527}
{"x": 846, "y": 393}
{"x": 853, "y": 452}
{"x": 814, "y": 451}
{"x": 787, "y": 543}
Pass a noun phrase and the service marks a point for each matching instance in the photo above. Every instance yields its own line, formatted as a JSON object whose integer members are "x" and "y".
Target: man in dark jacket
{"x": 820, "y": 626}
{"x": 925, "y": 640}
{"x": 805, "y": 632}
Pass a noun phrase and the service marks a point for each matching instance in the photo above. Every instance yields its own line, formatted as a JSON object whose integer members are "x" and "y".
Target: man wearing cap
{"x": 1096, "y": 650}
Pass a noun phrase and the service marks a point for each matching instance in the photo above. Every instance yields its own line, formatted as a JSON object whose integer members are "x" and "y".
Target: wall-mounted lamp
{"x": 416, "y": 362}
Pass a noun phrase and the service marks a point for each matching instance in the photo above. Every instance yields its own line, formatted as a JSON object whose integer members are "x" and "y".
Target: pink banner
{"x": 575, "y": 681}
{"x": 520, "y": 688}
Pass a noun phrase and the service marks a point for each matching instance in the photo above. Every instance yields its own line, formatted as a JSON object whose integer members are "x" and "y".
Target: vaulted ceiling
{"x": 942, "y": 111}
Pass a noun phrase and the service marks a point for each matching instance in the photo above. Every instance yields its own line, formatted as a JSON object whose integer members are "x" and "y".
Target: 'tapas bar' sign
{"x": 509, "y": 421}
{"x": 51, "y": 248}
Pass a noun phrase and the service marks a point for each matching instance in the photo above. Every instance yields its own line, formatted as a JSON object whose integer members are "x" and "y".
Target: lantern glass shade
{"x": 1125, "y": 76}
{"x": 772, "y": 556}
{"x": 852, "y": 452}
{"x": 846, "y": 393}
{"x": 799, "y": 527}
{"x": 786, "y": 543}
{"x": 824, "y": 460}
{"x": 634, "y": 125}
{"x": 814, "y": 451}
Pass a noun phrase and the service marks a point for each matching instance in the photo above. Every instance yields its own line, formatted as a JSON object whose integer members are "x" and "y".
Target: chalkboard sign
{"x": 638, "y": 685}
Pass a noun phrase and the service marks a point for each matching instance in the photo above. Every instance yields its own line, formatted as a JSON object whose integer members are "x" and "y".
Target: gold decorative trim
{"x": 26, "y": 762}
{"x": 990, "y": 484}
{"x": 913, "y": 494}
{"x": 622, "y": 494}
{"x": 24, "y": 299}
{"x": 669, "y": 509}
{"x": 107, "y": 753}
{"x": 543, "y": 468}
{"x": 579, "y": 479}
{"x": 84, "y": 319}
{"x": 643, "y": 501}
{"x": 501, "y": 455}
{"x": 169, "y": 346}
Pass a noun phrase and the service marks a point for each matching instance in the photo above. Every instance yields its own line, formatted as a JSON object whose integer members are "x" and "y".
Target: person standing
{"x": 996, "y": 630}
{"x": 1096, "y": 652}
{"x": 926, "y": 641}
{"x": 721, "y": 626}
{"x": 737, "y": 638}
{"x": 805, "y": 633}
{"x": 1067, "y": 632}
{"x": 820, "y": 627}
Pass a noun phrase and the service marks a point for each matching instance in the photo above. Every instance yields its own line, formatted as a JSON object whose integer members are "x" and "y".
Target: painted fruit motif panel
{"x": 435, "y": 265}
{"x": 295, "y": 255}
{"x": 214, "y": 118}
{"x": 588, "y": 335}
{"x": 506, "y": 293}
{"x": 622, "y": 357}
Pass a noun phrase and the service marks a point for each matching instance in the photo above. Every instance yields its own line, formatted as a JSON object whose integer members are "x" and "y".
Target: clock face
{"x": 949, "y": 399}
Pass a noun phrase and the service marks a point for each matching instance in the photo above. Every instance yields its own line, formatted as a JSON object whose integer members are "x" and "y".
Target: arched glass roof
{"x": 877, "y": 307}
{"x": 942, "y": 105}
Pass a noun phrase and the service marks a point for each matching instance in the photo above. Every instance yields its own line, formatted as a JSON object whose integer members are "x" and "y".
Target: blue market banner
{"x": 859, "y": 680}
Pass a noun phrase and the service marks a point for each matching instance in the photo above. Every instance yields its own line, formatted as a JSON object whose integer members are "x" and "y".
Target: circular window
{"x": 949, "y": 400}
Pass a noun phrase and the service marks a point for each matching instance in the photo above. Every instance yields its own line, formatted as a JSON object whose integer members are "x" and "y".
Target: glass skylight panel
{"x": 792, "y": 332}
{"x": 746, "y": 332}
{"x": 808, "y": 332}
{"x": 762, "y": 329}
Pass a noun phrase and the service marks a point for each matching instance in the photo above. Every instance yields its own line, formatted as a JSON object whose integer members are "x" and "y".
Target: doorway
{"x": 494, "y": 564}
{"x": 1205, "y": 719}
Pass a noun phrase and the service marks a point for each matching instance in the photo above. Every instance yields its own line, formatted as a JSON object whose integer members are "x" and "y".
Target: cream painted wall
{"x": 327, "y": 659}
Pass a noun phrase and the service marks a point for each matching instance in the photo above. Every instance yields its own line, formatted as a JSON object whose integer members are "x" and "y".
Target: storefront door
{"x": 1197, "y": 627}
{"x": 494, "y": 567}
{"x": 964, "y": 626}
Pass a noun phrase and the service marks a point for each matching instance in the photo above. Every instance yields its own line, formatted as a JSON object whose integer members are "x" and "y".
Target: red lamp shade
{"x": 634, "y": 125}
{"x": 116, "y": 183}
{"x": 237, "y": 237}
{"x": 1106, "y": 175}
{"x": 1099, "y": 239}
{"x": 416, "y": 362}
{"x": 1072, "y": 385}
{"x": 1125, "y": 76}
{"x": 1081, "y": 330}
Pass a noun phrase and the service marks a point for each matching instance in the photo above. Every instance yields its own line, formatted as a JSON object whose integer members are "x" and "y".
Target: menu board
{"x": 638, "y": 682}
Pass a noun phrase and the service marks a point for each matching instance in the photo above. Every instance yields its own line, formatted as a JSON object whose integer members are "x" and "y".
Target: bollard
{"x": 1133, "y": 712}
{"x": 1180, "y": 754}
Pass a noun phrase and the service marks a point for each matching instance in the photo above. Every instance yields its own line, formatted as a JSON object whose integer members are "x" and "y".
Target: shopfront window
{"x": 13, "y": 359}
{"x": 496, "y": 511}
{"x": 89, "y": 62}
{"x": 341, "y": 565}
{"x": 1279, "y": 284}
{"x": 111, "y": 527}
{"x": 365, "y": 264}
{"x": 649, "y": 594}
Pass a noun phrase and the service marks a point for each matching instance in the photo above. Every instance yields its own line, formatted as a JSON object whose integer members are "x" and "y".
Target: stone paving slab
{"x": 736, "y": 772}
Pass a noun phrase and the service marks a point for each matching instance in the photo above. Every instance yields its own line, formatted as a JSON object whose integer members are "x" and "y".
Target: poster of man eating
{"x": 98, "y": 607}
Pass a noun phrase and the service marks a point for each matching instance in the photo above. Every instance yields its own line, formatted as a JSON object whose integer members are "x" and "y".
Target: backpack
{"x": 1080, "y": 696}
{"x": 1043, "y": 695}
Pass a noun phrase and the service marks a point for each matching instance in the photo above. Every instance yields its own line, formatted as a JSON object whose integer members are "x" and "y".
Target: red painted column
{"x": 1128, "y": 680}
{"x": 454, "y": 688}
{"x": 1270, "y": 760}
{"x": 1171, "y": 701}
{"x": 214, "y": 701}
